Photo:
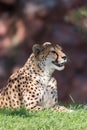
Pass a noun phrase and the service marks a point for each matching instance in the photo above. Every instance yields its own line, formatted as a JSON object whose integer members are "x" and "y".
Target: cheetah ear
{"x": 36, "y": 49}
{"x": 47, "y": 43}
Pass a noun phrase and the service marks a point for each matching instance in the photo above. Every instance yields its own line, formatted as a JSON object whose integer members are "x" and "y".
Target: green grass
{"x": 44, "y": 120}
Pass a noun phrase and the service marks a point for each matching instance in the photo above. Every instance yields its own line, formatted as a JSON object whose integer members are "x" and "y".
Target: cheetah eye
{"x": 53, "y": 52}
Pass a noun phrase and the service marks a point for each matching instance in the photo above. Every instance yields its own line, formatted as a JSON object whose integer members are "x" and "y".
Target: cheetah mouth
{"x": 58, "y": 64}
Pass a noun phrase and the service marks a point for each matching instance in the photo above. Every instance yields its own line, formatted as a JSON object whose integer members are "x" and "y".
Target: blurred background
{"x": 27, "y": 22}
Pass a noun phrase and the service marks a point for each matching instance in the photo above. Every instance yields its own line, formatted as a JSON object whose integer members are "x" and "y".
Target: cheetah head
{"x": 50, "y": 56}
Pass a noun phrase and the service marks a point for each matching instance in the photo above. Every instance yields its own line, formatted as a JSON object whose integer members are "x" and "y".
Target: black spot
{"x": 17, "y": 102}
{"x": 9, "y": 85}
{"x": 38, "y": 108}
{"x": 13, "y": 90}
{"x": 26, "y": 105}
{"x": 36, "y": 99}
{"x": 37, "y": 102}
{"x": 33, "y": 95}
{"x": 53, "y": 96}
{"x": 10, "y": 102}
{"x": 37, "y": 94}
{"x": 13, "y": 100}
{"x": 15, "y": 86}
{"x": 18, "y": 80}
{"x": 6, "y": 99}
{"x": 33, "y": 92}
{"x": 1, "y": 103}
{"x": 15, "y": 79}
{"x": 32, "y": 102}
{"x": 24, "y": 82}
{"x": 32, "y": 107}
{"x": 40, "y": 100}
{"x": 19, "y": 94}
{"x": 6, "y": 104}
{"x": 56, "y": 100}
{"x": 26, "y": 78}
{"x": 37, "y": 81}
{"x": 9, "y": 98}
{"x": 12, "y": 81}
{"x": 7, "y": 93}
{"x": 28, "y": 98}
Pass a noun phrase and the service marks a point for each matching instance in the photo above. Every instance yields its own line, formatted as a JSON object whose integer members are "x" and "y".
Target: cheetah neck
{"x": 47, "y": 70}
{"x": 38, "y": 69}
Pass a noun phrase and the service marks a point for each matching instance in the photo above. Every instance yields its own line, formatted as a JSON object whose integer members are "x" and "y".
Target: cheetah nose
{"x": 64, "y": 57}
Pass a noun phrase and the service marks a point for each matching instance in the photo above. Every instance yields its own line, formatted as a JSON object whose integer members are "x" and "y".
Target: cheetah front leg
{"x": 37, "y": 108}
{"x": 52, "y": 88}
{"x": 31, "y": 102}
{"x": 59, "y": 108}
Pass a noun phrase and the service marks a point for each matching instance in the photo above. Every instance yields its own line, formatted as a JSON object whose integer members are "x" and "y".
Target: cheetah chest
{"x": 48, "y": 93}
{"x": 48, "y": 99}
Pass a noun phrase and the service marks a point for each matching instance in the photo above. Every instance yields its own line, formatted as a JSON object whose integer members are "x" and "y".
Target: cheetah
{"x": 33, "y": 85}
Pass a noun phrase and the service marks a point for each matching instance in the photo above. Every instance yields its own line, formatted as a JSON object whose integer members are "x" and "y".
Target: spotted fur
{"x": 33, "y": 85}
